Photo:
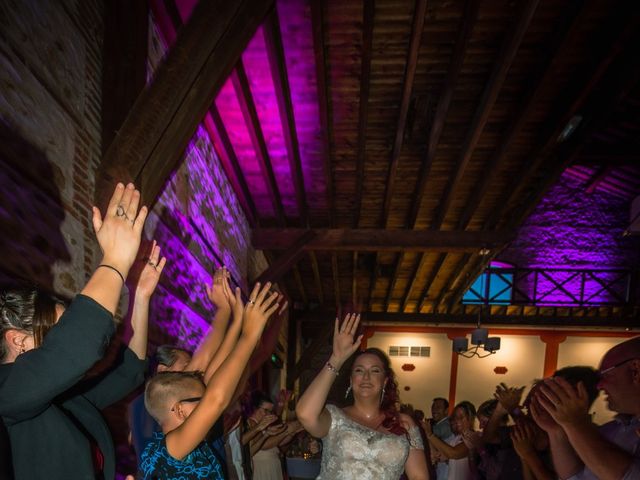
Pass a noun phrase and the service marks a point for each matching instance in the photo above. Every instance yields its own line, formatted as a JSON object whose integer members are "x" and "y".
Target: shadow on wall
{"x": 31, "y": 214}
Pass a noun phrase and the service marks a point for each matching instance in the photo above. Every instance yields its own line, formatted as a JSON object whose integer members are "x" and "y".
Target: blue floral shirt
{"x": 156, "y": 463}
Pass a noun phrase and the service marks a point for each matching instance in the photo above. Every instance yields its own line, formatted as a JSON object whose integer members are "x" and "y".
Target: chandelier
{"x": 479, "y": 339}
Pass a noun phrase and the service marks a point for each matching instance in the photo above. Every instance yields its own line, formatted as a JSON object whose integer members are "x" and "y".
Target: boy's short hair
{"x": 165, "y": 388}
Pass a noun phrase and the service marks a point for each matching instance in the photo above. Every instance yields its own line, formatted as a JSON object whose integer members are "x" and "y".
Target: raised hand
{"x": 216, "y": 292}
{"x": 267, "y": 420}
{"x": 260, "y": 306}
{"x": 343, "y": 339}
{"x": 146, "y": 279}
{"x": 542, "y": 417}
{"x": 564, "y": 402}
{"x": 523, "y": 437}
{"x": 508, "y": 397}
{"x": 473, "y": 440}
{"x": 120, "y": 231}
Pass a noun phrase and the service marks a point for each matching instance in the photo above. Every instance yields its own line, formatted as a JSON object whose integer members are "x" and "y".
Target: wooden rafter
{"x": 372, "y": 240}
{"x": 464, "y": 33}
{"x": 336, "y": 281}
{"x": 563, "y": 35}
{"x": 622, "y": 26}
{"x": 315, "y": 268}
{"x": 248, "y": 108}
{"x": 508, "y": 50}
{"x": 157, "y": 129}
{"x": 501, "y": 66}
{"x": 219, "y": 131}
{"x": 275, "y": 51}
{"x": 407, "y": 88}
{"x": 286, "y": 261}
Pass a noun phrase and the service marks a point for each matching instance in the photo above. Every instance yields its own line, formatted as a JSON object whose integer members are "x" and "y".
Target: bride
{"x": 370, "y": 439}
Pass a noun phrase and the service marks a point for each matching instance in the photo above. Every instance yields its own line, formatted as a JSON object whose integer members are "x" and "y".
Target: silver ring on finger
{"x": 154, "y": 265}
{"x": 120, "y": 211}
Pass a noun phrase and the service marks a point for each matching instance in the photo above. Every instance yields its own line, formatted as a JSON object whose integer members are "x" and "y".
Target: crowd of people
{"x": 195, "y": 420}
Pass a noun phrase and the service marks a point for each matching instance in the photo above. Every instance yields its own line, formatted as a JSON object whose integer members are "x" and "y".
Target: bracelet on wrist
{"x": 332, "y": 369}
{"x": 112, "y": 268}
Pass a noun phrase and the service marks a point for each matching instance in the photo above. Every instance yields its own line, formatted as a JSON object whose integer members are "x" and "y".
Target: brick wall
{"x": 50, "y": 70}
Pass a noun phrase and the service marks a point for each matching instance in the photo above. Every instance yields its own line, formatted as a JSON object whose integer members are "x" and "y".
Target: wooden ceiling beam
{"x": 218, "y": 130}
{"x": 247, "y": 106}
{"x": 467, "y": 22}
{"x": 407, "y": 88}
{"x": 536, "y": 319}
{"x": 336, "y": 281}
{"x": 368, "y": 12}
{"x": 501, "y": 67}
{"x": 318, "y": 14}
{"x": 152, "y": 139}
{"x": 277, "y": 62}
{"x": 378, "y": 240}
{"x": 315, "y": 268}
{"x": 427, "y": 286}
{"x": 285, "y": 262}
{"x": 579, "y": 96}
{"x": 564, "y": 33}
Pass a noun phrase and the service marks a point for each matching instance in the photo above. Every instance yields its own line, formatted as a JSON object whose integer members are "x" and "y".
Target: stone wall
{"x": 50, "y": 72}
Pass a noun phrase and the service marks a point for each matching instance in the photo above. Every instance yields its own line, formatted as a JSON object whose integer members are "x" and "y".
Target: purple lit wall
{"x": 573, "y": 229}
{"x": 200, "y": 225}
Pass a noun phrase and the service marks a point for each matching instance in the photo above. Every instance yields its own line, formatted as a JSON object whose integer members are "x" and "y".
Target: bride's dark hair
{"x": 391, "y": 399}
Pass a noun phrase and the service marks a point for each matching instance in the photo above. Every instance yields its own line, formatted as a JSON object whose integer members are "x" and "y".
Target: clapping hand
{"x": 508, "y": 397}
{"x": 343, "y": 339}
{"x": 523, "y": 437}
{"x": 564, "y": 402}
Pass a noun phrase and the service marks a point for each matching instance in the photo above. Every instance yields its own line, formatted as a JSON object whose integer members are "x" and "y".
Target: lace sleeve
{"x": 415, "y": 440}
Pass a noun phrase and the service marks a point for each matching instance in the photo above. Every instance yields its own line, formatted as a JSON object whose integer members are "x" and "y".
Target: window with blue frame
{"x": 494, "y": 286}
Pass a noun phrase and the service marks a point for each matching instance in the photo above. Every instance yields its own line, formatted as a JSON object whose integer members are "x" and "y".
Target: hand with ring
{"x": 258, "y": 310}
{"x": 144, "y": 277}
{"x": 119, "y": 240}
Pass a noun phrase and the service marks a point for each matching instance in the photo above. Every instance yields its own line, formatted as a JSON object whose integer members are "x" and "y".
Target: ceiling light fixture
{"x": 479, "y": 338}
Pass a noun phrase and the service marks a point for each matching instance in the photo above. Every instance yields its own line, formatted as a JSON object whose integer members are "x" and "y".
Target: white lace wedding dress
{"x": 354, "y": 452}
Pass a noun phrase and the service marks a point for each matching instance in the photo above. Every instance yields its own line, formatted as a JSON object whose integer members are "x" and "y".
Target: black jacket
{"x": 49, "y": 412}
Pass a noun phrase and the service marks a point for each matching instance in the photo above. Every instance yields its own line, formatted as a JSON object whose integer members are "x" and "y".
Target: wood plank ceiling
{"x": 389, "y": 142}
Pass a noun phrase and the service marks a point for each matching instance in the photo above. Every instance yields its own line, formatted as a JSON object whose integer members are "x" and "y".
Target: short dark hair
{"x": 166, "y": 354}
{"x": 443, "y": 400}
{"x": 587, "y": 375}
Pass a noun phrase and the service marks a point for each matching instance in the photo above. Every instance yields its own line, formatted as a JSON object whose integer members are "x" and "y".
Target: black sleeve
{"x": 70, "y": 348}
{"x": 119, "y": 382}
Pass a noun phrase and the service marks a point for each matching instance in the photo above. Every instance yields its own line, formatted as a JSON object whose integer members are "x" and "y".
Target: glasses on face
{"x": 602, "y": 373}
{"x": 186, "y": 400}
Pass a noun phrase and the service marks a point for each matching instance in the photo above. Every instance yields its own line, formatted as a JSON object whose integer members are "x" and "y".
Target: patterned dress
{"x": 352, "y": 451}
{"x": 156, "y": 463}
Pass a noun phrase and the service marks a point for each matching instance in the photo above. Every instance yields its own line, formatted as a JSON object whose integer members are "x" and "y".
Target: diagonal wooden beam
{"x": 318, "y": 14}
{"x": 315, "y": 268}
{"x": 373, "y": 240}
{"x": 501, "y": 66}
{"x": 252, "y": 121}
{"x": 578, "y": 96}
{"x": 285, "y": 262}
{"x": 336, "y": 281}
{"x": 407, "y": 87}
{"x": 218, "y": 130}
{"x": 456, "y": 272}
{"x": 165, "y": 115}
{"x": 467, "y": 22}
{"x": 572, "y": 19}
{"x": 275, "y": 52}
{"x": 310, "y": 352}
{"x": 368, "y": 12}
{"x": 432, "y": 276}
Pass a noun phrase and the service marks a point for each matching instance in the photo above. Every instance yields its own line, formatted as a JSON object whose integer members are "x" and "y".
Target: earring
{"x": 382, "y": 395}
{"x": 348, "y": 392}
{"x": 22, "y": 350}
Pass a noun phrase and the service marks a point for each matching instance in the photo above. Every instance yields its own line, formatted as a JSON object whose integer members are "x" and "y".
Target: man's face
{"x": 438, "y": 411}
{"x": 618, "y": 380}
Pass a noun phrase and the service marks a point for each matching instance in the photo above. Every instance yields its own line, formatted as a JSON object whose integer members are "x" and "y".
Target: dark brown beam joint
{"x": 377, "y": 240}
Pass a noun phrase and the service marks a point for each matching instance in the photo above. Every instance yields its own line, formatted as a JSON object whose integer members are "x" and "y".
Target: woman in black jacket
{"x": 53, "y": 418}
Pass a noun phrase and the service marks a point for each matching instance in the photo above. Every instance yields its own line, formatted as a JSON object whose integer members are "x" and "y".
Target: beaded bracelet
{"x": 112, "y": 268}
{"x": 332, "y": 369}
